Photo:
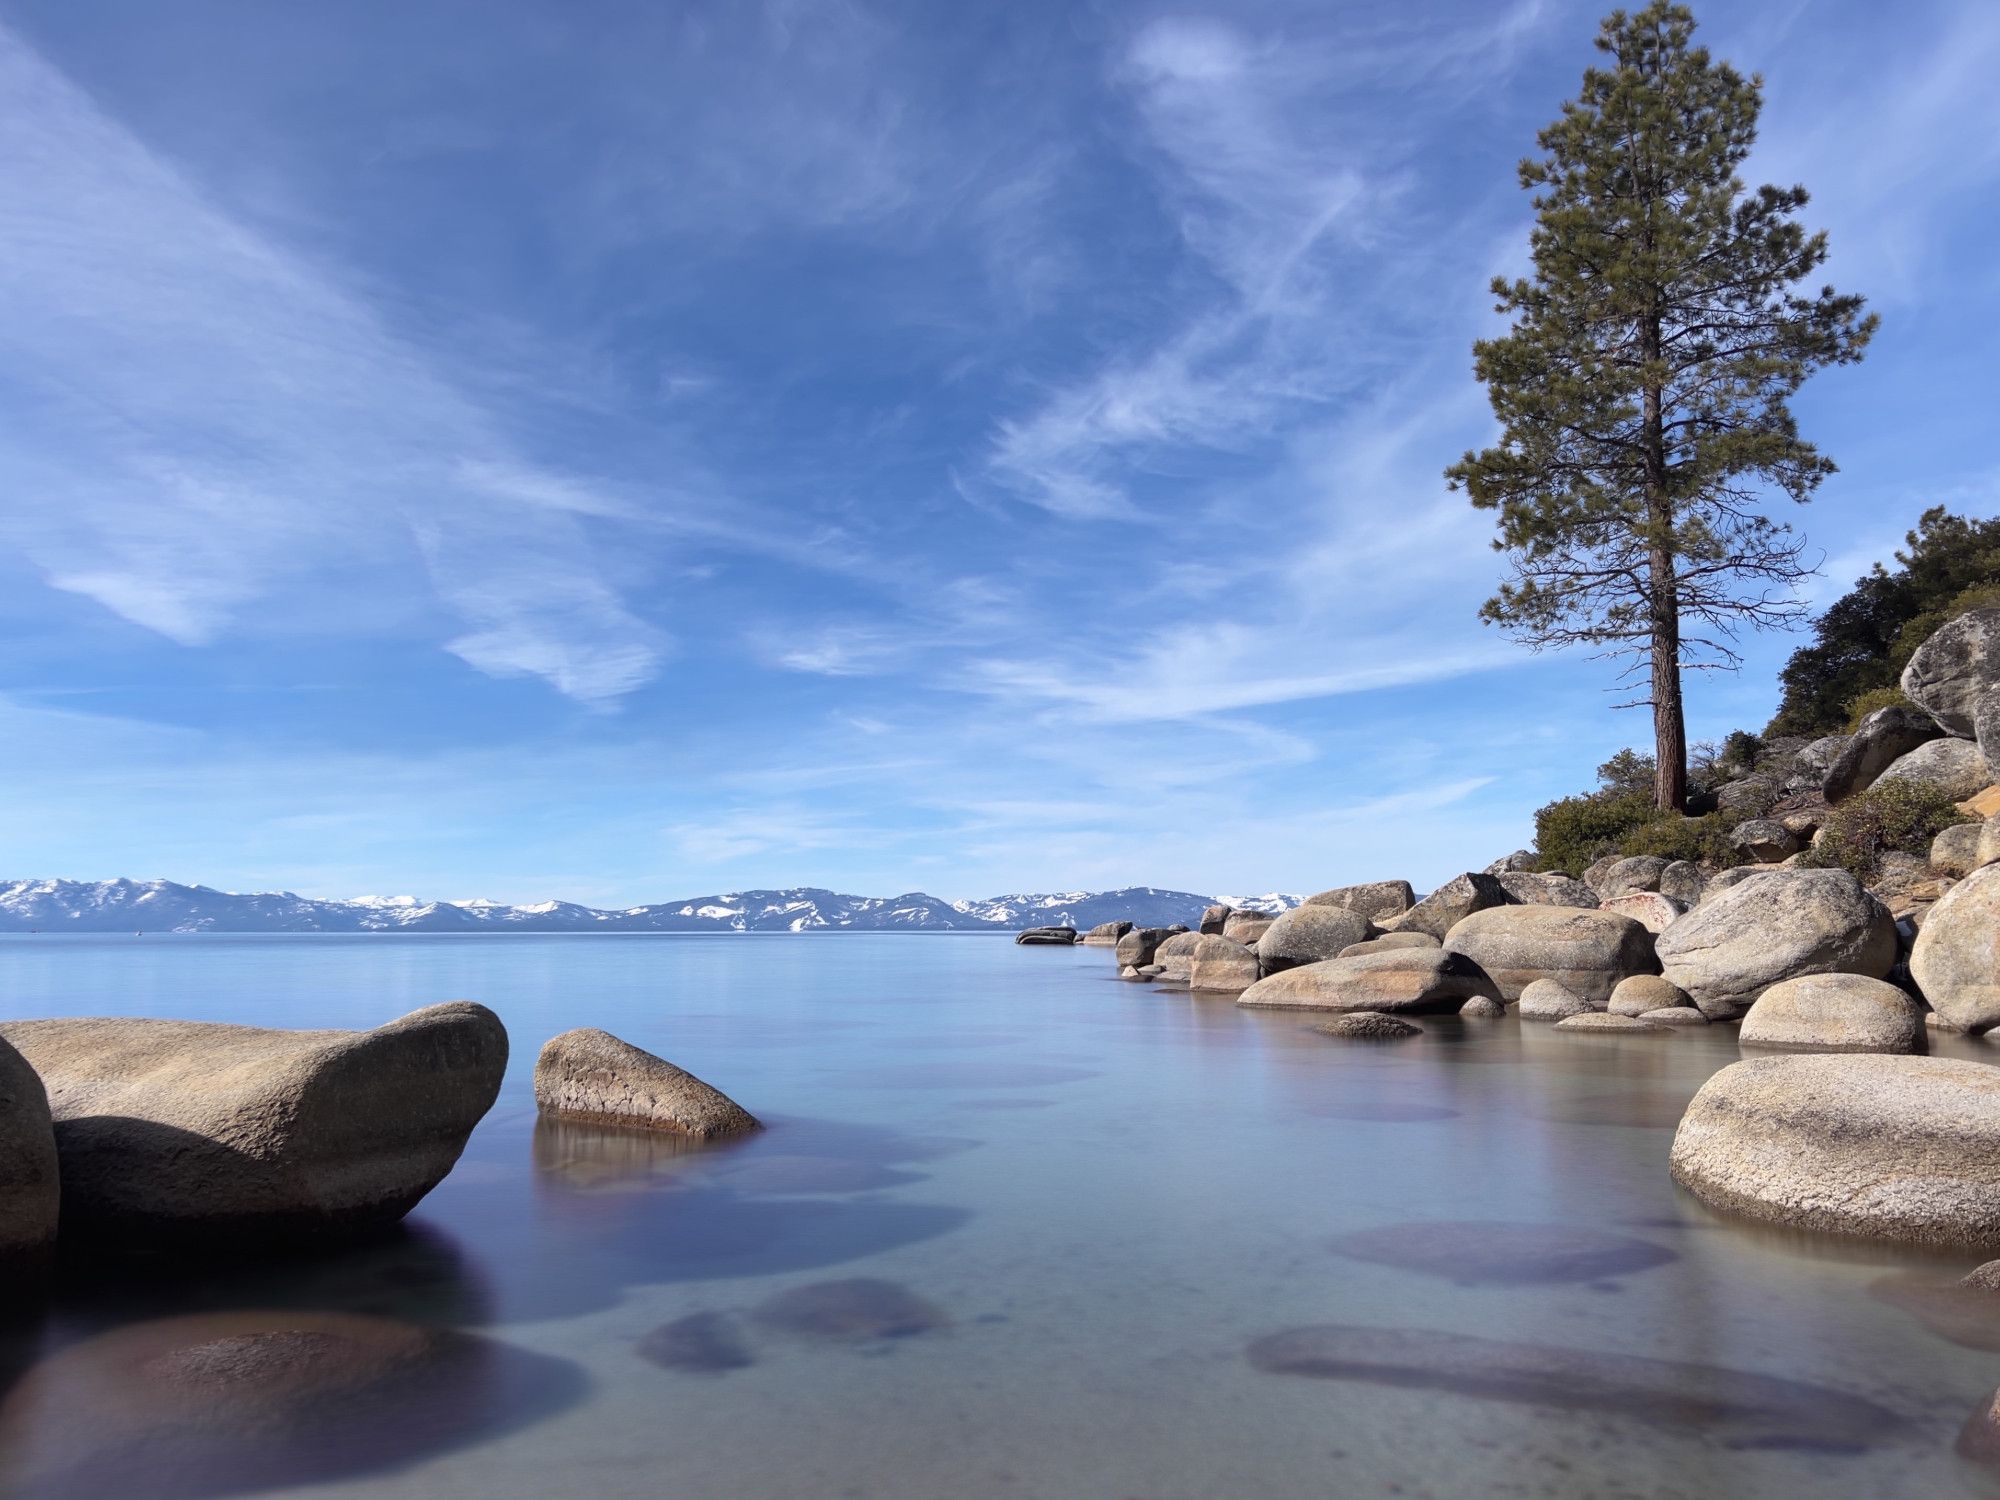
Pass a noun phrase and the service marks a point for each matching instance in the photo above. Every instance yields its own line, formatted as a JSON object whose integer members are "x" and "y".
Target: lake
{"x": 1016, "y": 1229}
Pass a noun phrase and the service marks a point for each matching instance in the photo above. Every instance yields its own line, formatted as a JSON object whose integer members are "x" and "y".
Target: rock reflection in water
{"x": 704, "y": 1343}
{"x": 1737, "y": 1408}
{"x": 858, "y": 1308}
{"x": 226, "y": 1403}
{"x": 1388, "y": 1112}
{"x": 573, "y": 1157}
{"x": 1504, "y": 1254}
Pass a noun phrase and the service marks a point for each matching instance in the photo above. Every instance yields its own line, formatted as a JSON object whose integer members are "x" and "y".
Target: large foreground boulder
{"x": 1377, "y": 900}
{"x": 1835, "y": 1013}
{"x": 1954, "y": 669}
{"x": 1904, "y": 1148}
{"x": 1954, "y": 767}
{"x": 28, "y": 1195}
{"x": 1956, "y": 959}
{"x": 191, "y": 1135}
{"x": 1450, "y": 904}
{"x": 1218, "y": 963}
{"x": 1396, "y": 979}
{"x": 1310, "y": 935}
{"x": 1774, "y": 925}
{"x": 1587, "y": 952}
{"x": 1883, "y": 738}
{"x": 587, "y": 1074}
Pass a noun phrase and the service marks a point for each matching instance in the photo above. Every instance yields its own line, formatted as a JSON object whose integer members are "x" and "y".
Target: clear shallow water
{"x": 1016, "y": 1229}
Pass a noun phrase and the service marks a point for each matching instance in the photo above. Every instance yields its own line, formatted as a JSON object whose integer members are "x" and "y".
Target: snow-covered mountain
{"x": 162, "y": 906}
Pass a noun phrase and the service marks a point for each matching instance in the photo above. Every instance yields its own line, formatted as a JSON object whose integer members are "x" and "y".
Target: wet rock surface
{"x": 855, "y": 1309}
{"x": 705, "y": 1343}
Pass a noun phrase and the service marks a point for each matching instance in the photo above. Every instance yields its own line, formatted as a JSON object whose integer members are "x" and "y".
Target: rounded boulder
{"x": 1586, "y": 951}
{"x": 1772, "y": 926}
{"x": 1835, "y": 1013}
{"x": 1397, "y": 979}
{"x": 587, "y": 1074}
{"x": 1956, "y": 958}
{"x": 1310, "y": 935}
{"x": 1902, "y": 1148}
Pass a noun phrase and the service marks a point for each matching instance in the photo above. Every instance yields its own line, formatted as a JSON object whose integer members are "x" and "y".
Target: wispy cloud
{"x": 214, "y": 425}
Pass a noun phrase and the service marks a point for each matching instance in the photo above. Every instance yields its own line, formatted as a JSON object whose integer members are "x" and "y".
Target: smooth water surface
{"x": 1015, "y": 1229}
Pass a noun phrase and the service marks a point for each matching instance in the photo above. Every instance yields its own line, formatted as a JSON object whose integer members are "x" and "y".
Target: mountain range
{"x": 163, "y": 906}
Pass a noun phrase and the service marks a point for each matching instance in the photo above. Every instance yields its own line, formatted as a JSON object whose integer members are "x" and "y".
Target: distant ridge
{"x": 163, "y": 906}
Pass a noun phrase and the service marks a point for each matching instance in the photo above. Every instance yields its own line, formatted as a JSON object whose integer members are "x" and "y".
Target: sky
{"x": 625, "y": 451}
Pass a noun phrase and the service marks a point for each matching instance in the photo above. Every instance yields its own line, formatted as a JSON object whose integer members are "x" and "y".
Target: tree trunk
{"x": 1669, "y": 722}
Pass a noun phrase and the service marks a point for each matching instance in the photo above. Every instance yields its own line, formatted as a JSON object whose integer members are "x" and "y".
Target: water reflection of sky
{"x": 1014, "y": 1229}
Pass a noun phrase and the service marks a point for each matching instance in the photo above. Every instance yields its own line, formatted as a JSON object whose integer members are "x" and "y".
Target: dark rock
{"x": 1136, "y": 948}
{"x": 29, "y": 1197}
{"x": 1213, "y": 919}
{"x": 1369, "y": 1026}
{"x": 1046, "y": 937}
{"x": 856, "y": 1309}
{"x": 1882, "y": 738}
{"x": 704, "y": 1343}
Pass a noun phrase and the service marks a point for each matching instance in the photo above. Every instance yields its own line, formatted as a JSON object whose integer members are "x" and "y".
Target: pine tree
{"x": 1643, "y": 388}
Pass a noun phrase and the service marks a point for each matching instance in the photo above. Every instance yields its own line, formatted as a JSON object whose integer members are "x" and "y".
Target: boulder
{"x": 192, "y": 1135}
{"x": 1483, "y": 1008}
{"x": 1107, "y": 934}
{"x": 1884, "y": 737}
{"x": 1812, "y": 764}
{"x": 1246, "y": 927}
{"x": 1835, "y": 1013}
{"x": 1594, "y": 872}
{"x": 1956, "y": 850}
{"x": 1175, "y": 957}
{"x": 1986, "y": 729}
{"x": 1764, "y": 840}
{"x": 1676, "y": 1015}
{"x": 1520, "y": 859}
{"x": 1551, "y": 1000}
{"x": 1213, "y": 920}
{"x": 1748, "y": 796}
{"x": 1588, "y": 951}
{"x": 1128, "y": 972}
{"x": 1683, "y": 881}
{"x": 1377, "y": 900}
{"x": 1637, "y": 994}
{"x": 1218, "y": 963}
{"x": 1722, "y": 880}
{"x": 1400, "y": 979}
{"x": 1636, "y": 872}
{"x": 1650, "y": 909}
{"x": 1988, "y": 850}
{"x": 1046, "y": 937}
{"x": 1369, "y": 1026}
{"x": 1137, "y": 947}
{"x": 1956, "y": 959}
{"x": 1956, "y": 667}
{"x": 1902, "y": 1148}
{"x": 28, "y": 1191}
{"x": 1598, "y": 1020}
{"x": 1451, "y": 903}
{"x": 1985, "y": 805}
{"x": 1310, "y": 935}
{"x": 1954, "y": 767}
{"x": 1387, "y": 941}
{"x": 587, "y": 1074}
{"x": 1547, "y": 890}
{"x": 1775, "y": 925}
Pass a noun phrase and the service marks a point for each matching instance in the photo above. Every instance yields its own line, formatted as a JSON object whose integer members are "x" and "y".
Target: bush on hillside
{"x": 1705, "y": 839}
{"x": 1862, "y": 643}
{"x": 1574, "y": 832}
{"x": 1894, "y": 815}
{"x": 1868, "y": 702}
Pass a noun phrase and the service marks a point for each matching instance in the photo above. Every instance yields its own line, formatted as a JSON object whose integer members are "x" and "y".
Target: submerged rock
{"x": 1737, "y": 1408}
{"x": 1602, "y": 1021}
{"x": 1398, "y": 979}
{"x": 189, "y": 1134}
{"x": 1369, "y": 1026}
{"x": 855, "y": 1309}
{"x": 29, "y": 1199}
{"x": 1502, "y": 1253}
{"x": 1904, "y": 1148}
{"x": 1835, "y": 1013}
{"x": 589, "y": 1074}
{"x": 705, "y": 1343}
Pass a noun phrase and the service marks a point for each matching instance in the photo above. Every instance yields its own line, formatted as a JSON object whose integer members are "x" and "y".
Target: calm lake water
{"x": 1016, "y": 1229}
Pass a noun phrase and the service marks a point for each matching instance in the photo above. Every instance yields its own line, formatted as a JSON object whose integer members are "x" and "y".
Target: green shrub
{"x": 1868, "y": 702}
{"x": 1705, "y": 840}
{"x": 1895, "y": 815}
{"x": 1572, "y": 833}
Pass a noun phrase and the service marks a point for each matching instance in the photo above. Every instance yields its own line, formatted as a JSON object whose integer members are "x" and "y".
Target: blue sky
{"x": 623, "y": 451}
